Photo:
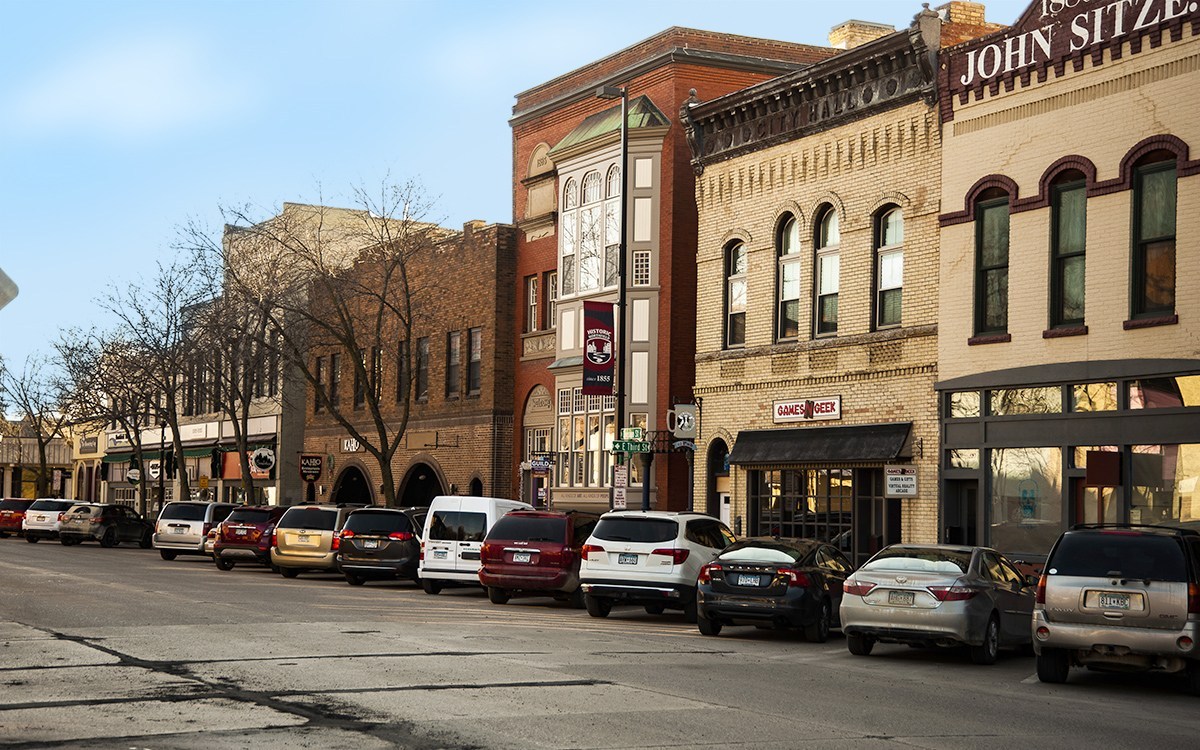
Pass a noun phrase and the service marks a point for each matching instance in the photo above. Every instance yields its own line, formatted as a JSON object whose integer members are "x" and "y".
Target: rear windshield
{"x": 14, "y": 504}
{"x": 629, "y": 529}
{"x": 767, "y": 552}
{"x": 530, "y": 529}
{"x": 921, "y": 560}
{"x": 377, "y": 522}
{"x": 59, "y": 505}
{"x": 84, "y": 510}
{"x": 1121, "y": 553}
{"x": 249, "y": 515}
{"x": 309, "y": 518}
{"x": 184, "y": 512}
{"x": 457, "y": 526}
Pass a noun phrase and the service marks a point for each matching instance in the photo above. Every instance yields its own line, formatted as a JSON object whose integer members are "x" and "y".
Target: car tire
{"x": 109, "y": 538}
{"x": 708, "y": 627}
{"x": 576, "y": 599}
{"x": 1193, "y": 677}
{"x": 354, "y": 580}
{"x": 289, "y": 572}
{"x": 1053, "y": 666}
{"x": 147, "y": 541}
{"x": 31, "y": 539}
{"x": 595, "y": 606}
{"x": 430, "y": 586}
{"x": 166, "y": 554}
{"x": 987, "y": 652}
{"x": 497, "y": 595}
{"x": 655, "y": 609}
{"x": 859, "y": 645}
{"x": 223, "y": 564}
{"x": 3, "y": 535}
{"x": 64, "y": 541}
{"x": 691, "y": 612}
{"x": 818, "y": 632}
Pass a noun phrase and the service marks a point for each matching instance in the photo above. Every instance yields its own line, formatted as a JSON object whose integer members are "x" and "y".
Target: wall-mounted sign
{"x": 808, "y": 410}
{"x": 311, "y": 465}
{"x": 117, "y": 440}
{"x": 89, "y": 444}
{"x": 899, "y": 481}
{"x": 681, "y": 421}
{"x": 350, "y": 445}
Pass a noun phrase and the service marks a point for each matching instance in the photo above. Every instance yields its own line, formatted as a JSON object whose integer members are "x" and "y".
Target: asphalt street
{"x": 116, "y": 648}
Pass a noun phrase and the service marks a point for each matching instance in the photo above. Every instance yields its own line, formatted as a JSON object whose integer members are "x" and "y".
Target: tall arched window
{"x": 569, "y": 236}
{"x": 1068, "y": 236}
{"x": 735, "y": 295}
{"x": 827, "y": 241}
{"x": 612, "y": 226}
{"x": 1154, "y": 199}
{"x": 787, "y": 245}
{"x": 591, "y": 261}
{"x": 991, "y": 262}
{"x": 889, "y": 266}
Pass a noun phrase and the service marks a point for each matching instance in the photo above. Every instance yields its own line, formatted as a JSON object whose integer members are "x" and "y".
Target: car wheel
{"x": 690, "y": 612}
{"x": 859, "y": 645}
{"x": 109, "y": 538}
{"x": 147, "y": 541}
{"x": 655, "y": 609}
{"x": 1193, "y": 677}
{"x": 3, "y": 535}
{"x": 497, "y": 595}
{"x": 31, "y": 539}
{"x": 430, "y": 586}
{"x": 707, "y": 626}
{"x": 166, "y": 554}
{"x": 596, "y": 607}
{"x": 354, "y": 580}
{"x": 64, "y": 541}
{"x": 1053, "y": 665}
{"x": 223, "y": 564}
{"x": 818, "y": 632}
{"x": 576, "y": 599}
{"x": 289, "y": 572}
{"x": 986, "y": 652}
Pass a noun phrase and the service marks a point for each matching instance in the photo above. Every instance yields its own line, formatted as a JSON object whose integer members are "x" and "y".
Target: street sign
{"x": 900, "y": 481}
{"x": 154, "y": 468}
{"x": 633, "y": 433}
{"x": 631, "y": 446}
{"x": 8, "y": 290}
{"x": 203, "y": 480}
{"x": 621, "y": 476}
{"x": 619, "y": 498}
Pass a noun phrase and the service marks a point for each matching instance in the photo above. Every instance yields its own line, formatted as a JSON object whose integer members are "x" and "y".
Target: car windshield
{"x": 635, "y": 529}
{"x": 249, "y": 515}
{"x": 456, "y": 526}
{"x": 530, "y": 529}
{"x": 761, "y": 551}
{"x": 56, "y": 505}
{"x": 1128, "y": 554}
{"x": 921, "y": 560}
{"x": 184, "y": 512}
{"x": 318, "y": 519}
{"x": 14, "y": 504}
{"x": 380, "y": 522}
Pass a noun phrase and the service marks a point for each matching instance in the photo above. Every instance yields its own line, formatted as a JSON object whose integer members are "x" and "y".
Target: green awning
{"x": 116, "y": 458}
{"x": 197, "y": 452}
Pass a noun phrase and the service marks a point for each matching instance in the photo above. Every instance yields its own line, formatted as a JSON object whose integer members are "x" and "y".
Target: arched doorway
{"x": 475, "y": 489}
{"x": 352, "y": 487}
{"x": 421, "y": 485}
{"x": 717, "y": 481}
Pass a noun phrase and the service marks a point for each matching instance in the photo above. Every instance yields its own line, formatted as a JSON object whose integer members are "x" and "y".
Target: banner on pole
{"x": 598, "y": 351}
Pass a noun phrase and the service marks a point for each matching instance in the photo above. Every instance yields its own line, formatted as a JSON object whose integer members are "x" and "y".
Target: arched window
{"x": 613, "y": 183}
{"x": 568, "y": 236}
{"x": 1154, "y": 199}
{"x": 827, "y": 241}
{"x": 591, "y": 234}
{"x": 1068, "y": 236}
{"x": 991, "y": 262}
{"x": 735, "y": 295}
{"x": 612, "y": 226}
{"x": 787, "y": 245}
{"x": 571, "y": 194}
{"x": 889, "y": 266}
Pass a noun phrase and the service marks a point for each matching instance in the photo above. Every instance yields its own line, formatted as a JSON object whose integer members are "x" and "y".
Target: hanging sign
{"x": 598, "y": 350}
{"x": 311, "y": 465}
{"x": 899, "y": 481}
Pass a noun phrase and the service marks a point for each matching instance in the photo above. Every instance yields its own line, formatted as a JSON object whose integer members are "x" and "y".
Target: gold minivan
{"x": 306, "y": 538}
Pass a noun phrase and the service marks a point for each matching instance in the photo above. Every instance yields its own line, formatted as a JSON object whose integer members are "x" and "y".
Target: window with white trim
{"x": 586, "y": 428}
{"x": 828, "y": 239}
{"x": 735, "y": 295}
{"x": 641, "y": 268}
{"x": 551, "y": 300}
{"x": 889, "y": 266}
{"x": 788, "y": 250}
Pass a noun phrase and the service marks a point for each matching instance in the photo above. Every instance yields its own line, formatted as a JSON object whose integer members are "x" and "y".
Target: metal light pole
{"x": 622, "y": 93}
{"x": 162, "y": 461}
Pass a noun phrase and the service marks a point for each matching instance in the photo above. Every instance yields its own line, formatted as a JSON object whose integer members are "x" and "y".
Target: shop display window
{"x": 1026, "y": 499}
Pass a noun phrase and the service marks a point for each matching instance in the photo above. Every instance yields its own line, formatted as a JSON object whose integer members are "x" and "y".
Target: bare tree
{"x": 40, "y": 407}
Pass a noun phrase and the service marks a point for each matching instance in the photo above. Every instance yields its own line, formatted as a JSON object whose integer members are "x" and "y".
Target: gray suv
{"x": 1122, "y": 597}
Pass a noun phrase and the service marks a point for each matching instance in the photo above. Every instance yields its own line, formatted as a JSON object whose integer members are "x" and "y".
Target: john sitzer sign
{"x": 808, "y": 410}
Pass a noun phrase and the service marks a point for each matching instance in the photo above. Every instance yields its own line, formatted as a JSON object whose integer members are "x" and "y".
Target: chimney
{"x": 962, "y": 11}
{"x": 851, "y": 34}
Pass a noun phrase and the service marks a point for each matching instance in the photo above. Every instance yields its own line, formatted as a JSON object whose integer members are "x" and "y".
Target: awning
{"x": 866, "y": 442}
{"x": 115, "y": 458}
{"x": 197, "y": 452}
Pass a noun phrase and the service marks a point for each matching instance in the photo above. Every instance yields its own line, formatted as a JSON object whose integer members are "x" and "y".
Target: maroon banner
{"x": 598, "y": 349}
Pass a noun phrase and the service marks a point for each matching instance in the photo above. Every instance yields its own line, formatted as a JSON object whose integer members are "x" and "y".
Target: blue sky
{"x": 121, "y": 121}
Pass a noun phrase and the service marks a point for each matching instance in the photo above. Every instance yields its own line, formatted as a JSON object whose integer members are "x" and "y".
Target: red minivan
{"x": 536, "y": 553}
{"x": 12, "y": 512}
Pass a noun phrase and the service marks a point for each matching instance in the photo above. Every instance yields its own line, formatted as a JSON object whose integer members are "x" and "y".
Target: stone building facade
{"x": 1068, "y": 349}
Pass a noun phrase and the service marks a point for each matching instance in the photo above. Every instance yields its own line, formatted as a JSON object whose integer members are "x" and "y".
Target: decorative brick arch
{"x": 1003, "y": 182}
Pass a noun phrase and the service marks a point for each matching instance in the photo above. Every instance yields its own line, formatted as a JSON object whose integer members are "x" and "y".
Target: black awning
{"x": 864, "y": 442}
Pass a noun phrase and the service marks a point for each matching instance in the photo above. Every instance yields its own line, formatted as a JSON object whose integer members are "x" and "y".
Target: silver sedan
{"x": 938, "y": 595}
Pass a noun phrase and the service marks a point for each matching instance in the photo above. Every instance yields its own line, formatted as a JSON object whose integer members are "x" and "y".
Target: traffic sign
{"x": 153, "y": 468}
{"x": 633, "y": 433}
{"x": 631, "y": 446}
{"x": 619, "y": 502}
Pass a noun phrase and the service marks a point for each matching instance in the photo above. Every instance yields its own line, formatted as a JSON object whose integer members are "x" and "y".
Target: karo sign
{"x": 310, "y": 466}
{"x": 598, "y": 348}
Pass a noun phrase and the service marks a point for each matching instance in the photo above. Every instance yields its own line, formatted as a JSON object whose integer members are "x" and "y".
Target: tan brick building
{"x": 1068, "y": 348}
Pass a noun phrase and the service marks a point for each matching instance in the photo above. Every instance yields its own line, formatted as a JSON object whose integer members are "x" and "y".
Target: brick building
{"x": 817, "y": 292}
{"x": 1068, "y": 354}
{"x": 567, "y": 202}
{"x": 451, "y": 378}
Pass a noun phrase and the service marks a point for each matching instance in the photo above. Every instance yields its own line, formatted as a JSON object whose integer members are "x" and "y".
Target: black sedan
{"x": 787, "y": 583}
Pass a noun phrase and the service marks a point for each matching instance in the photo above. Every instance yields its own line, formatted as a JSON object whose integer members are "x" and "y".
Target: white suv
{"x": 651, "y": 558}
{"x": 43, "y": 519}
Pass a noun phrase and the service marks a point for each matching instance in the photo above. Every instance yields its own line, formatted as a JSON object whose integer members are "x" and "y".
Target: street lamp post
{"x": 162, "y": 460}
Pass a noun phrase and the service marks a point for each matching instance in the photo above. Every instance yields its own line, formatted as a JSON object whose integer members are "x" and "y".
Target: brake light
{"x": 590, "y": 548}
{"x": 401, "y": 536}
{"x": 854, "y": 588}
{"x": 677, "y": 555}
{"x": 422, "y": 555}
{"x": 1040, "y": 596}
{"x": 707, "y": 571}
{"x": 274, "y": 538}
{"x": 952, "y": 593}
{"x": 207, "y": 528}
{"x": 61, "y": 516}
{"x": 1194, "y": 599}
{"x": 796, "y": 578}
{"x": 95, "y": 520}
{"x": 347, "y": 534}
{"x": 336, "y": 543}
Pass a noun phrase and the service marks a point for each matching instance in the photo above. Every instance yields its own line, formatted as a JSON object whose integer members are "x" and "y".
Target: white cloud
{"x": 127, "y": 88}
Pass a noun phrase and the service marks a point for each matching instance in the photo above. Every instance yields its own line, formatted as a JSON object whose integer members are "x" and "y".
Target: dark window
{"x": 584, "y": 526}
{"x": 456, "y": 526}
{"x": 735, "y": 295}
{"x": 1103, "y": 554}
{"x": 991, "y": 263}
{"x": 184, "y": 512}
{"x": 360, "y": 385}
{"x": 788, "y": 249}
{"x": 422, "y": 393}
{"x": 249, "y": 515}
{"x": 376, "y": 371}
{"x": 401, "y": 370}
{"x": 706, "y": 533}
{"x": 1068, "y": 242}
{"x": 921, "y": 560}
{"x": 378, "y": 522}
{"x": 1154, "y": 198}
{"x": 889, "y": 266}
{"x": 474, "y": 361}
{"x": 221, "y": 512}
{"x": 530, "y": 529}
{"x": 335, "y": 377}
{"x": 14, "y": 504}
{"x": 453, "y": 363}
{"x": 631, "y": 529}
{"x": 309, "y": 518}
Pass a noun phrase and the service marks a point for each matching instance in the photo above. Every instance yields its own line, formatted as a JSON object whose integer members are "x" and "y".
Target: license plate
{"x": 1114, "y": 601}
{"x": 627, "y": 558}
{"x": 179, "y": 531}
{"x": 745, "y": 580}
{"x": 440, "y": 554}
{"x": 40, "y": 518}
{"x": 522, "y": 557}
{"x": 901, "y": 598}
{"x": 240, "y": 532}
{"x": 302, "y": 539}
{"x": 370, "y": 544}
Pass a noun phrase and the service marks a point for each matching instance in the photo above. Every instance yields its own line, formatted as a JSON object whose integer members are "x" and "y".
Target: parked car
{"x": 938, "y": 595}
{"x": 305, "y": 538}
{"x": 790, "y": 583}
{"x": 380, "y": 543}
{"x": 12, "y": 513}
{"x": 183, "y": 527}
{"x": 107, "y": 524}
{"x": 245, "y": 536}
{"x": 535, "y": 552}
{"x": 454, "y": 532}
{"x": 651, "y": 558}
{"x": 1120, "y": 597}
{"x": 43, "y": 518}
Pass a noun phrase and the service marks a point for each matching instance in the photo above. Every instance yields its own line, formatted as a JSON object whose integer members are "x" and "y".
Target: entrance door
{"x": 960, "y": 512}
{"x": 1093, "y": 504}
{"x": 726, "y": 509}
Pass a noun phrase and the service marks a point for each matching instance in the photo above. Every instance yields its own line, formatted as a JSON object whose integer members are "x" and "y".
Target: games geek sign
{"x": 808, "y": 410}
{"x": 1055, "y": 29}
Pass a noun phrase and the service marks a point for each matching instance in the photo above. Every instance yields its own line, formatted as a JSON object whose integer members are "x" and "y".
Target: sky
{"x": 123, "y": 121}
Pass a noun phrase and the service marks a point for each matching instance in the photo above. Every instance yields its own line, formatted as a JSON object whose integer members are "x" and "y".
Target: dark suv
{"x": 1120, "y": 596}
{"x": 535, "y": 552}
{"x": 12, "y": 513}
{"x": 380, "y": 543}
{"x": 245, "y": 536}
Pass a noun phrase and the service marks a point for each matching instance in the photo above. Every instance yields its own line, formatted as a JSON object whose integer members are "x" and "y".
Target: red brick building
{"x": 566, "y": 204}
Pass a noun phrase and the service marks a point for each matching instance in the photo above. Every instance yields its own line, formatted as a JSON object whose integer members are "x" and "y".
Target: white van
{"x": 454, "y": 532}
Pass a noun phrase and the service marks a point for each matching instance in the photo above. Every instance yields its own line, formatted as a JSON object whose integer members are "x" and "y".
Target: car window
{"x": 321, "y": 519}
{"x": 829, "y": 558}
{"x": 84, "y": 510}
{"x": 249, "y": 515}
{"x": 584, "y": 526}
{"x": 378, "y": 522}
{"x": 221, "y": 512}
{"x": 726, "y": 534}
{"x": 920, "y": 559}
{"x": 11, "y": 505}
{"x": 1099, "y": 554}
{"x": 996, "y": 570}
{"x": 764, "y": 552}
{"x": 707, "y": 533}
{"x": 636, "y": 529}
{"x": 55, "y": 505}
{"x": 183, "y": 512}
{"x": 460, "y": 526}
{"x": 530, "y": 529}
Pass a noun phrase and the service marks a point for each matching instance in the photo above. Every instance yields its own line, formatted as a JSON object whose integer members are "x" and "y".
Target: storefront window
{"x": 806, "y": 503}
{"x": 585, "y": 435}
{"x": 1026, "y": 492}
{"x": 1011, "y": 401}
{"x": 1165, "y": 393}
{"x": 964, "y": 404}
{"x": 962, "y": 458}
{"x": 1163, "y": 485}
{"x": 1094, "y": 397}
